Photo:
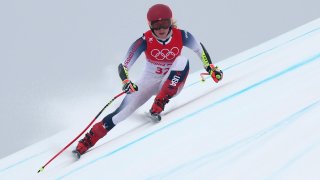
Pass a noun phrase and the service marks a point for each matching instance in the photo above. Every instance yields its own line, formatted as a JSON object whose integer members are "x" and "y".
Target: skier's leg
{"x": 96, "y": 132}
{"x": 129, "y": 105}
{"x": 171, "y": 85}
{"x": 131, "y": 102}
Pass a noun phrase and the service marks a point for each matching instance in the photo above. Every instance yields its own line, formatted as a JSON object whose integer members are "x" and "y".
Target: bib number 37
{"x": 161, "y": 70}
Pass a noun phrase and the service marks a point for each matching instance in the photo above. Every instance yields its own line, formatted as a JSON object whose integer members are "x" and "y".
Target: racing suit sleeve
{"x": 132, "y": 55}
{"x": 190, "y": 42}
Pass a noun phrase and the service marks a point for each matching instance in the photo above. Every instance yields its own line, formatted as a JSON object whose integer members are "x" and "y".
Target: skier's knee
{"x": 107, "y": 121}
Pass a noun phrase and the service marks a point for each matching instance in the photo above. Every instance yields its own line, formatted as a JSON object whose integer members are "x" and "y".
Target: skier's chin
{"x": 162, "y": 36}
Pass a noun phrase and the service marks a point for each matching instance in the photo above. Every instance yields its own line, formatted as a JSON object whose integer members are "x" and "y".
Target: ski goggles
{"x": 161, "y": 24}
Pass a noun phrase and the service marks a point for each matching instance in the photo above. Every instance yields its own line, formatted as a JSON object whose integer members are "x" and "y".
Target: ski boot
{"x": 158, "y": 107}
{"x": 97, "y": 132}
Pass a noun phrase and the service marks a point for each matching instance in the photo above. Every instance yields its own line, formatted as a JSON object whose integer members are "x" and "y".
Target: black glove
{"x": 215, "y": 73}
{"x": 129, "y": 87}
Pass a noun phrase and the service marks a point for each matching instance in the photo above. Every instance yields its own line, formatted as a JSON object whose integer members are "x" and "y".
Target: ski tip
{"x": 41, "y": 169}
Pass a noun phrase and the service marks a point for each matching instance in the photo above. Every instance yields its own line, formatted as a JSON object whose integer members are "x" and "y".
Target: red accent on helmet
{"x": 159, "y": 12}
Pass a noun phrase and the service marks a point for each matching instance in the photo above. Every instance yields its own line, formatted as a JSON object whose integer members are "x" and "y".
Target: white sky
{"x": 58, "y": 57}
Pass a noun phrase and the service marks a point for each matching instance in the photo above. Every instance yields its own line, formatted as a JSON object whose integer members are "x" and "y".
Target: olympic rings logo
{"x": 165, "y": 54}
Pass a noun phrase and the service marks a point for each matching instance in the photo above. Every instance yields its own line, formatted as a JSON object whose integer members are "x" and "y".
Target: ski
{"x": 76, "y": 154}
{"x": 153, "y": 117}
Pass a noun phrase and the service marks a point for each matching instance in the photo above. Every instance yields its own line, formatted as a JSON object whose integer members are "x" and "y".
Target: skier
{"x": 164, "y": 75}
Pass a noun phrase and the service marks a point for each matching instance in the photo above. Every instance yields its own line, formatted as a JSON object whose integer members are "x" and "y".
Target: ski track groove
{"x": 294, "y": 159}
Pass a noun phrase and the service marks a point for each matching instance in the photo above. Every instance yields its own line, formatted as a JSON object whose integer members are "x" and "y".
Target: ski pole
{"x": 42, "y": 168}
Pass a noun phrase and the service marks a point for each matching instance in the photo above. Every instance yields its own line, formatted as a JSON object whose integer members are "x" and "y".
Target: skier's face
{"x": 162, "y": 33}
{"x": 161, "y": 27}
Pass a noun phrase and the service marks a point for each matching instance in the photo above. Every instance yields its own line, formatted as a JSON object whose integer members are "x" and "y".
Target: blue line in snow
{"x": 198, "y": 162}
{"x": 296, "y": 158}
{"x": 262, "y": 53}
{"x": 271, "y": 49}
{"x": 21, "y": 161}
{"x": 291, "y": 68}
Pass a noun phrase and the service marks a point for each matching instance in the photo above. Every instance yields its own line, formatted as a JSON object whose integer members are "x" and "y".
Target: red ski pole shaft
{"x": 42, "y": 168}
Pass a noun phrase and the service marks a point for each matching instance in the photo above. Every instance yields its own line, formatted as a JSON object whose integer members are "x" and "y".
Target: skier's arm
{"x": 214, "y": 71}
{"x": 134, "y": 52}
{"x": 128, "y": 86}
{"x": 132, "y": 55}
{"x": 190, "y": 42}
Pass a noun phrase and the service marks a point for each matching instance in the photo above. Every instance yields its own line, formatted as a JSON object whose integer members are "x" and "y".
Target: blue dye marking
{"x": 198, "y": 162}
{"x": 21, "y": 162}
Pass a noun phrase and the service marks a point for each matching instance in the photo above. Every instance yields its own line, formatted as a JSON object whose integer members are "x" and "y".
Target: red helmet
{"x": 159, "y": 12}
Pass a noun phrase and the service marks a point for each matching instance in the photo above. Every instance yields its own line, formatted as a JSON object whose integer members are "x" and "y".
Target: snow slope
{"x": 260, "y": 122}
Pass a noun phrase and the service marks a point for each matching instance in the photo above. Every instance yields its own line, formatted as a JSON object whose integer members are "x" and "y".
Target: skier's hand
{"x": 215, "y": 73}
{"x": 129, "y": 87}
